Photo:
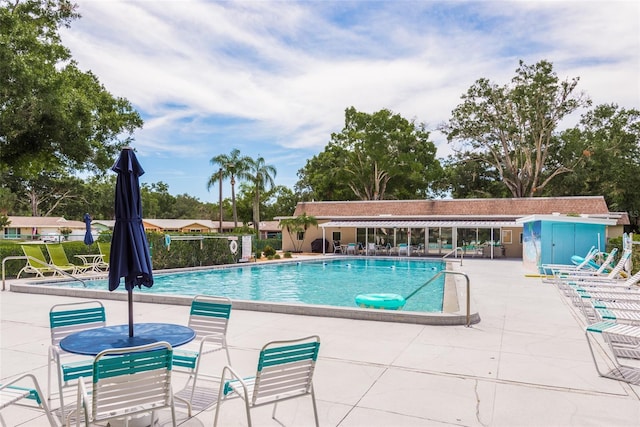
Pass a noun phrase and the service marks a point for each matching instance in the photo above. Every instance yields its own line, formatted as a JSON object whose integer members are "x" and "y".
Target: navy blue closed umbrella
{"x": 129, "y": 248}
{"x": 88, "y": 237}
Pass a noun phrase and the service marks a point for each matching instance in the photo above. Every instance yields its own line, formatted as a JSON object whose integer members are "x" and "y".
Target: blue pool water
{"x": 327, "y": 282}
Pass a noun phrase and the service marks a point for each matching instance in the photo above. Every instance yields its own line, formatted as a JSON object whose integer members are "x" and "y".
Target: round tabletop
{"x": 93, "y": 341}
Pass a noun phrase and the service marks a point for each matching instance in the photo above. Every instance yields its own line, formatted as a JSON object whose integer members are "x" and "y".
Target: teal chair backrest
{"x": 65, "y": 319}
{"x": 288, "y": 354}
{"x": 202, "y": 308}
{"x": 209, "y": 315}
{"x": 131, "y": 363}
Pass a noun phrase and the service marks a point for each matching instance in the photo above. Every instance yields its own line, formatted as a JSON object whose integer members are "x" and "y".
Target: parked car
{"x": 51, "y": 237}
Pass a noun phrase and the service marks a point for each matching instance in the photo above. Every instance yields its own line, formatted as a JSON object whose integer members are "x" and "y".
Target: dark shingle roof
{"x": 514, "y": 207}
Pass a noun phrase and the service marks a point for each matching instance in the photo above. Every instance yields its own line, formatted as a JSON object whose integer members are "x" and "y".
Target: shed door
{"x": 562, "y": 243}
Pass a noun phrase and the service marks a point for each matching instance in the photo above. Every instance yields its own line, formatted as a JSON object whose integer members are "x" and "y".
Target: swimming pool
{"x": 330, "y": 282}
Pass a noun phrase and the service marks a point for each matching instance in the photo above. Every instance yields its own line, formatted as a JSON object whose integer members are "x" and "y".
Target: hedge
{"x": 179, "y": 253}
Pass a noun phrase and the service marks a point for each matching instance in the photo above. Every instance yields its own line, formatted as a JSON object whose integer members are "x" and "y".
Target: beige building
{"x": 42, "y": 227}
{"x": 478, "y": 227}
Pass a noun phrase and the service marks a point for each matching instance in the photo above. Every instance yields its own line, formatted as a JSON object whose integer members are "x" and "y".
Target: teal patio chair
{"x": 209, "y": 318}
{"x": 285, "y": 371}
{"x": 66, "y": 319}
{"x": 127, "y": 382}
{"x": 12, "y": 392}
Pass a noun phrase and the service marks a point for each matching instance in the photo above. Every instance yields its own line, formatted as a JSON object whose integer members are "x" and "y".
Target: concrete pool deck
{"x": 526, "y": 363}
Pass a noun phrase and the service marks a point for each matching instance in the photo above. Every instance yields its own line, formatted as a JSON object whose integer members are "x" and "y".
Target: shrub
{"x": 276, "y": 256}
{"x": 287, "y": 254}
{"x": 269, "y": 251}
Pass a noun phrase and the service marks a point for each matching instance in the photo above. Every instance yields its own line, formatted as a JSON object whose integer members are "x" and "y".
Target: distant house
{"x": 436, "y": 227}
{"x": 175, "y": 225}
{"x": 269, "y": 229}
{"x": 35, "y": 227}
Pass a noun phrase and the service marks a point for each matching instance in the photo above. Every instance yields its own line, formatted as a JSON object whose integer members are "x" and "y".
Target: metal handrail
{"x": 455, "y": 251}
{"x": 53, "y": 267}
{"x": 440, "y": 273}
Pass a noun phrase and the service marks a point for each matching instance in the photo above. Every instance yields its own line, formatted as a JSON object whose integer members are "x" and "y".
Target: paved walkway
{"x": 525, "y": 364}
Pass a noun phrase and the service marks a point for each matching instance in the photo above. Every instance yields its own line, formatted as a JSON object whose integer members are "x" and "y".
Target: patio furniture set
{"x": 58, "y": 262}
{"x": 126, "y": 378}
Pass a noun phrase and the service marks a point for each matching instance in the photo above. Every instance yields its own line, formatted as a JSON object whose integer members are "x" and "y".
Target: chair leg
{"x": 220, "y": 400}
{"x": 248, "y": 409}
{"x": 315, "y": 408}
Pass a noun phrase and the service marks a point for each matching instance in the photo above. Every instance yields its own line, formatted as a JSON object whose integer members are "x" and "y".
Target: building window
{"x": 11, "y": 233}
{"x": 507, "y": 237}
{"x": 337, "y": 236}
{"x": 300, "y": 235}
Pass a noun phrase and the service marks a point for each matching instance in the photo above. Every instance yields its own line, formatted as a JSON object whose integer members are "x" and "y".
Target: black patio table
{"x": 90, "y": 342}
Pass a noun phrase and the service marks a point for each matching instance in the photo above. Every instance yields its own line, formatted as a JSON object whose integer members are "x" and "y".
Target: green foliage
{"x": 296, "y": 225}
{"x": 269, "y": 251}
{"x": 54, "y": 118}
{"x": 263, "y": 243}
{"x": 262, "y": 177}
{"x": 375, "y": 156}
{"x": 230, "y": 166}
{"x": 188, "y": 253}
{"x": 511, "y": 130}
{"x": 608, "y": 139}
{"x": 287, "y": 254}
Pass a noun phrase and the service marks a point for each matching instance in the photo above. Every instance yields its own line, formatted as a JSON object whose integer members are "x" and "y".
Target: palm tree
{"x": 298, "y": 224}
{"x": 262, "y": 176}
{"x": 231, "y": 166}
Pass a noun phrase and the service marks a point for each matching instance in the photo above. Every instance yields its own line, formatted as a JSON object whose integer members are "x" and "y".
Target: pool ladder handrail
{"x": 455, "y": 251}
{"x": 27, "y": 257}
{"x": 440, "y": 273}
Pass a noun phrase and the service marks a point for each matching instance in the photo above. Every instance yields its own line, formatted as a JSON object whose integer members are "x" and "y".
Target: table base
{"x": 140, "y": 420}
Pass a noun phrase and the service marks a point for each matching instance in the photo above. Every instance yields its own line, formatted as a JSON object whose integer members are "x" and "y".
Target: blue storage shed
{"x": 554, "y": 239}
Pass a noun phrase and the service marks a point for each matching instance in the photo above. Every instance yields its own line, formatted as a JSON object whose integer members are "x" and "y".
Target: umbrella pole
{"x": 130, "y": 292}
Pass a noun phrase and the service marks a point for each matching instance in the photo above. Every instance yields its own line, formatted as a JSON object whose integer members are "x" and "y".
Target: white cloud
{"x": 277, "y": 76}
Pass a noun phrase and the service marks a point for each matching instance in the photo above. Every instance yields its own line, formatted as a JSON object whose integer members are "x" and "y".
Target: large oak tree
{"x": 511, "y": 130}
{"x": 375, "y": 156}
{"x": 53, "y": 116}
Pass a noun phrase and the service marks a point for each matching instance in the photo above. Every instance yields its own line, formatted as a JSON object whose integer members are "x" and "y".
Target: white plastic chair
{"x": 209, "y": 318}
{"x": 127, "y": 382}
{"x": 11, "y": 393}
{"x": 66, "y": 319}
{"x": 285, "y": 371}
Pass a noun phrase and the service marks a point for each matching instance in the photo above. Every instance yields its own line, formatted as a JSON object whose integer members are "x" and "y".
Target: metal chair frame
{"x": 285, "y": 371}
{"x": 66, "y": 319}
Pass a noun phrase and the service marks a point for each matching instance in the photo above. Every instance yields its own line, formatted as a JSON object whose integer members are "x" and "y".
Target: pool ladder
{"x": 442, "y": 272}
{"x": 455, "y": 251}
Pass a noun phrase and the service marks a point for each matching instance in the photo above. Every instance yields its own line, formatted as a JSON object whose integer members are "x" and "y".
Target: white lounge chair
{"x": 623, "y": 342}
{"x": 584, "y": 265}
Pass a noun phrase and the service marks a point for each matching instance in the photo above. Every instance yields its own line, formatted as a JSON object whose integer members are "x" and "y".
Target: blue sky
{"x": 273, "y": 78}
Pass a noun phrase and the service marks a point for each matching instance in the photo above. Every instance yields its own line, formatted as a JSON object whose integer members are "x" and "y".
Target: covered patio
{"x": 424, "y": 237}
